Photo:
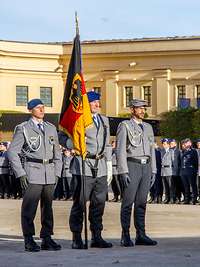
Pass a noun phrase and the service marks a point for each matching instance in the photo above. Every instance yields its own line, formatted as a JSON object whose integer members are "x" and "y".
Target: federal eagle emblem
{"x": 76, "y": 94}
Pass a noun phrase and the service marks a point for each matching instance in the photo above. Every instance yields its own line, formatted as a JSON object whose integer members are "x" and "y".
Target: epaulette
{"x": 23, "y": 123}
{"x": 49, "y": 123}
{"x": 20, "y": 125}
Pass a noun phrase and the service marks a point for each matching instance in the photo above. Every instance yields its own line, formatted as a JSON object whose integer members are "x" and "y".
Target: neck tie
{"x": 96, "y": 121}
{"x": 141, "y": 126}
{"x": 41, "y": 127}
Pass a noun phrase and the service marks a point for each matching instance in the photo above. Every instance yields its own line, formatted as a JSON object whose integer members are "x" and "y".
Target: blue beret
{"x": 172, "y": 140}
{"x": 165, "y": 140}
{"x": 138, "y": 103}
{"x": 34, "y": 102}
{"x": 198, "y": 140}
{"x": 92, "y": 96}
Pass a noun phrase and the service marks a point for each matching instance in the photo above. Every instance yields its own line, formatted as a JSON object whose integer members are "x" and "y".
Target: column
{"x": 160, "y": 92}
{"x": 110, "y": 93}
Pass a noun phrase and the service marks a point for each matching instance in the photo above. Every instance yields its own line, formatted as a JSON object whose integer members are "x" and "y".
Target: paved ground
{"x": 176, "y": 227}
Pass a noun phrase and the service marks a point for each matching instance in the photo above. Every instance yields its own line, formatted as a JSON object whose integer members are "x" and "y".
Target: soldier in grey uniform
{"x": 136, "y": 164}
{"x": 97, "y": 138}
{"x": 176, "y": 164}
{"x": 37, "y": 140}
{"x": 166, "y": 172}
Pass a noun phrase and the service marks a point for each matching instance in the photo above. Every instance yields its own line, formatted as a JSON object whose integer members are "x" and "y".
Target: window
{"x": 198, "y": 90}
{"x": 181, "y": 91}
{"x": 46, "y": 96}
{"x": 128, "y": 95}
{"x": 97, "y": 89}
{"x": 21, "y": 95}
{"x": 147, "y": 95}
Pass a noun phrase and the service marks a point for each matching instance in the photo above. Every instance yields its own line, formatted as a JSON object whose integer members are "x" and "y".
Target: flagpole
{"x": 84, "y": 204}
{"x": 83, "y": 172}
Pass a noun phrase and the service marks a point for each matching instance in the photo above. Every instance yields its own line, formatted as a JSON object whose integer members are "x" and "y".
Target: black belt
{"x": 42, "y": 161}
{"x": 92, "y": 156}
{"x": 4, "y": 167}
{"x": 166, "y": 166}
{"x": 140, "y": 161}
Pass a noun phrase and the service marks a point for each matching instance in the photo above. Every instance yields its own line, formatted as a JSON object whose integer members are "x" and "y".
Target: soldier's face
{"x": 173, "y": 144}
{"x": 138, "y": 112}
{"x": 165, "y": 145}
{"x": 94, "y": 106}
{"x": 38, "y": 112}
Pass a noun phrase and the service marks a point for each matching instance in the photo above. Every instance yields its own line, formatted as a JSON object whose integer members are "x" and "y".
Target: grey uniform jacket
{"x": 4, "y": 163}
{"x": 94, "y": 143}
{"x": 166, "y": 162}
{"x": 30, "y": 141}
{"x": 176, "y": 161}
{"x": 134, "y": 142}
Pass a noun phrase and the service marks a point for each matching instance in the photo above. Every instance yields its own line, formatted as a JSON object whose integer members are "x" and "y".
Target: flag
{"x": 75, "y": 114}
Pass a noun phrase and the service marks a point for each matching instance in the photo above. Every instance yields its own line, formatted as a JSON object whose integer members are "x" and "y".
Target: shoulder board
{"x": 125, "y": 122}
{"x": 20, "y": 125}
{"x": 46, "y": 122}
{"x": 23, "y": 123}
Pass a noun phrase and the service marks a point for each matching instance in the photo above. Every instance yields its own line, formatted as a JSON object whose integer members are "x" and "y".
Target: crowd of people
{"x": 177, "y": 180}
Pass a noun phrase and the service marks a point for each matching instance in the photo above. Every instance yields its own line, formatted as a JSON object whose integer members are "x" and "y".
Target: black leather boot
{"x": 139, "y": 219}
{"x": 144, "y": 240}
{"x": 49, "y": 244}
{"x": 98, "y": 242}
{"x": 126, "y": 240}
{"x": 77, "y": 242}
{"x": 30, "y": 244}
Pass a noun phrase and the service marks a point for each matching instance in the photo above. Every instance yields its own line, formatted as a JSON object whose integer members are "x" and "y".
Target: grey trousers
{"x": 95, "y": 192}
{"x": 136, "y": 192}
{"x": 33, "y": 194}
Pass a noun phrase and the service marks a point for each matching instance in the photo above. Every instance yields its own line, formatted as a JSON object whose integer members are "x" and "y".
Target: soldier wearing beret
{"x": 4, "y": 172}
{"x": 37, "y": 141}
{"x": 136, "y": 164}
{"x": 166, "y": 172}
{"x": 96, "y": 188}
{"x": 176, "y": 161}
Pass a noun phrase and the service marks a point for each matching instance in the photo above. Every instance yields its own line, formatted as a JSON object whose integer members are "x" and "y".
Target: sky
{"x": 53, "y": 20}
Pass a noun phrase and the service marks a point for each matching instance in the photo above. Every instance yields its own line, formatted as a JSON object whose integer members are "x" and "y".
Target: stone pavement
{"x": 176, "y": 227}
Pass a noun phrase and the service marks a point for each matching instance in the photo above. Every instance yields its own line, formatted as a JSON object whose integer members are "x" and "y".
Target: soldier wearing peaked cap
{"x": 37, "y": 140}
{"x": 136, "y": 163}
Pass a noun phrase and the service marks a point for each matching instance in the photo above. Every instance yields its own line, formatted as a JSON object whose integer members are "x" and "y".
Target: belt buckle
{"x": 45, "y": 161}
{"x": 143, "y": 161}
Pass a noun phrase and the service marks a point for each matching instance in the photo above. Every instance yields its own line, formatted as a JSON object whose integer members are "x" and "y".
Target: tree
{"x": 180, "y": 124}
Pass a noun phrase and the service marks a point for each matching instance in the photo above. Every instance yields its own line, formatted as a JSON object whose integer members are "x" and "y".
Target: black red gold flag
{"x": 75, "y": 114}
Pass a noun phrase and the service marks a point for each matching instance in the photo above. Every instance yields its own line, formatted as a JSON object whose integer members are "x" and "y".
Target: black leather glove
{"x": 124, "y": 180}
{"x": 24, "y": 182}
